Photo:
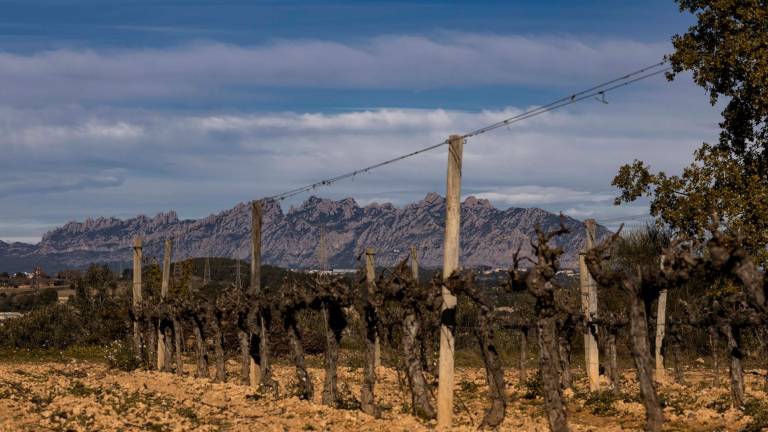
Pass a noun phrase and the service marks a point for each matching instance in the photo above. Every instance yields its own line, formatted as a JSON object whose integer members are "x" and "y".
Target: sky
{"x": 127, "y": 107}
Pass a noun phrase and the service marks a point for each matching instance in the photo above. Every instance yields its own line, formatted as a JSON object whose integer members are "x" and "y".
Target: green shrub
{"x": 533, "y": 387}
{"x": 721, "y": 404}
{"x": 120, "y": 355}
{"x": 601, "y": 403}
{"x": 55, "y": 326}
{"x": 468, "y": 386}
{"x": 28, "y": 302}
{"x": 77, "y": 388}
{"x": 758, "y": 410}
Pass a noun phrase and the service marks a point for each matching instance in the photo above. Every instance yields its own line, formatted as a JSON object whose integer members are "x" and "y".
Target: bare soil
{"x": 86, "y": 396}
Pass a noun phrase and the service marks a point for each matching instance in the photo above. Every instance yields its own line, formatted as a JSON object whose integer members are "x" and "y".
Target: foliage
{"x": 120, "y": 355}
{"x": 79, "y": 389}
{"x": 54, "y": 326}
{"x": 642, "y": 247}
{"x": 533, "y": 386}
{"x": 601, "y": 403}
{"x": 151, "y": 277}
{"x": 103, "y": 313}
{"x": 727, "y": 51}
{"x": 27, "y": 302}
{"x": 95, "y": 315}
{"x": 758, "y": 410}
{"x": 721, "y": 404}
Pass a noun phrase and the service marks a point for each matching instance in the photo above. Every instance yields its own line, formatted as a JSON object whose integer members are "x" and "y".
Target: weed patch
{"x": 601, "y": 403}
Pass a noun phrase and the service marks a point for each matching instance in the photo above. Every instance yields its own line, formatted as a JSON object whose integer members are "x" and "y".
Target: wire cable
{"x": 597, "y": 90}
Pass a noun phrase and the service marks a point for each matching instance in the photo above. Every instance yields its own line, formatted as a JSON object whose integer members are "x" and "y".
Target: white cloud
{"x": 402, "y": 62}
{"x": 43, "y": 183}
{"x": 532, "y": 195}
{"x": 125, "y": 162}
{"x": 104, "y": 160}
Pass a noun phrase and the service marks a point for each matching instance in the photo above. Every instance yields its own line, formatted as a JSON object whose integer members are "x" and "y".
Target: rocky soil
{"x": 86, "y": 396}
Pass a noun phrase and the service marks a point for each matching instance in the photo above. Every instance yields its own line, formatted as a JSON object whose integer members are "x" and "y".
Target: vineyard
{"x": 661, "y": 327}
{"x": 284, "y": 350}
{"x": 382, "y": 345}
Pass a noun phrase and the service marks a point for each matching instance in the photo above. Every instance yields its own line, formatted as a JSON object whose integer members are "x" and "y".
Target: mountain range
{"x": 489, "y": 236}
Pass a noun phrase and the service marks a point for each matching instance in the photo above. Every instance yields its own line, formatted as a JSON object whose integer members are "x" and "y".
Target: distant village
{"x": 25, "y": 290}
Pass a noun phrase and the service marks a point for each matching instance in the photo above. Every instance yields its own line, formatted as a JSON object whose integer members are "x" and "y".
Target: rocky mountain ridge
{"x": 489, "y": 236}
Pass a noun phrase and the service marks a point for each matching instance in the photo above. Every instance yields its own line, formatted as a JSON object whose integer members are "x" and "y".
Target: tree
{"x": 69, "y": 275}
{"x": 727, "y": 52}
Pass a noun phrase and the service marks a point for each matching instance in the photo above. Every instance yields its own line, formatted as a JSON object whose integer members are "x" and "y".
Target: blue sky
{"x": 119, "y": 108}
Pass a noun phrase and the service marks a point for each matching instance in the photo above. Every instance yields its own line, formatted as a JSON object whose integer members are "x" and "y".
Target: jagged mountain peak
{"x": 489, "y": 235}
{"x": 474, "y": 202}
{"x": 433, "y": 198}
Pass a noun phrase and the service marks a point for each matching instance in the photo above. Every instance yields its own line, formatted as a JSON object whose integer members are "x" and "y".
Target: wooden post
{"x": 414, "y": 264}
{"x": 661, "y": 320}
{"x": 589, "y": 308}
{"x": 255, "y": 288}
{"x": 161, "y": 342}
{"x": 370, "y": 279}
{"x": 137, "y": 293}
{"x": 372, "y": 353}
{"x": 450, "y": 264}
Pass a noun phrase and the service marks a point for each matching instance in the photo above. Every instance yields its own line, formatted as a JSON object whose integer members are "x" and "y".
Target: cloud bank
{"x": 388, "y": 62}
{"x": 95, "y": 133}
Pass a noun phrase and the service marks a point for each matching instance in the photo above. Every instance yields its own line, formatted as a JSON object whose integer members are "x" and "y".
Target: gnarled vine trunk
{"x": 564, "y": 353}
{"x": 201, "y": 351}
{"x": 550, "y": 374}
{"x": 152, "y": 332}
{"x": 305, "y": 388}
{"x": 367, "y": 400}
{"x": 334, "y": 323}
{"x": 422, "y": 405}
{"x": 494, "y": 415}
{"x": 715, "y": 358}
{"x": 612, "y": 363}
{"x": 677, "y": 363}
{"x": 178, "y": 344}
{"x": 267, "y": 382}
{"x": 218, "y": 344}
{"x": 523, "y": 356}
{"x": 733, "y": 336}
{"x": 641, "y": 354}
{"x": 244, "y": 339}
{"x": 167, "y": 334}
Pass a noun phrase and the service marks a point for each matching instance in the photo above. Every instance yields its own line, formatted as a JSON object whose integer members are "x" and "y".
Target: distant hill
{"x": 489, "y": 236}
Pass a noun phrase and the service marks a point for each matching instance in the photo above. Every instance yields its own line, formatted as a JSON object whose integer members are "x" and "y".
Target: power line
{"x": 575, "y": 97}
{"x": 597, "y": 90}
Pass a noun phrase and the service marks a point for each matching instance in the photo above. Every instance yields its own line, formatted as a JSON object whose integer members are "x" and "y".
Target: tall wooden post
{"x": 367, "y": 398}
{"x": 661, "y": 321}
{"x": 255, "y": 288}
{"x": 161, "y": 341}
{"x": 589, "y": 308}
{"x": 450, "y": 264}
{"x": 137, "y": 293}
{"x": 370, "y": 279}
{"x": 414, "y": 264}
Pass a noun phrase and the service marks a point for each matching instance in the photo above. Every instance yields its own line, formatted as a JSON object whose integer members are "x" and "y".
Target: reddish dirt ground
{"x": 86, "y": 396}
